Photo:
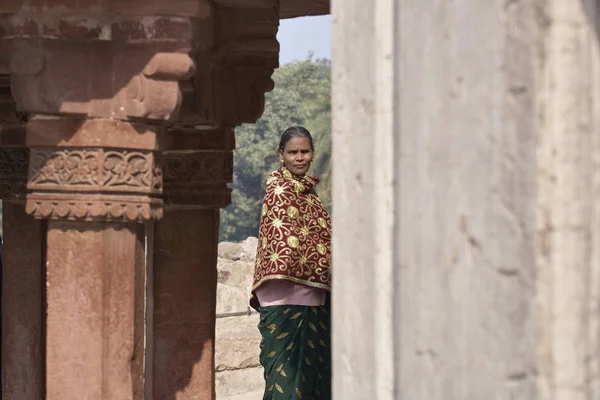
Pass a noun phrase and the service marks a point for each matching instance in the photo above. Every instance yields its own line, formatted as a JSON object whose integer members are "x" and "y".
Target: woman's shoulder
{"x": 282, "y": 181}
{"x": 274, "y": 179}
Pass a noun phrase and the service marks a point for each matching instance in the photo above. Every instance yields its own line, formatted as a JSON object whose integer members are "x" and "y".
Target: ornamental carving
{"x": 95, "y": 169}
{"x": 93, "y": 208}
{"x": 237, "y": 72}
{"x": 100, "y": 80}
{"x": 244, "y": 86}
{"x": 64, "y": 168}
{"x": 94, "y": 184}
{"x": 13, "y": 163}
{"x": 198, "y": 168}
{"x": 198, "y": 179}
{"x": 13, "y": 173}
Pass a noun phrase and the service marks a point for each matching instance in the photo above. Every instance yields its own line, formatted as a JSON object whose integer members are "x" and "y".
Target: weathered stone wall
{"x": 237, "y": 338}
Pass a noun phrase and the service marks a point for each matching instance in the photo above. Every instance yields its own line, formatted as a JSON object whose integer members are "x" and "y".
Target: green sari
{"x": 296, "y": 352}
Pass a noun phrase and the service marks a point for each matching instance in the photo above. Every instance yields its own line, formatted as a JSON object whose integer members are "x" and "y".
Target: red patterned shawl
{"x": 294, "y": 240}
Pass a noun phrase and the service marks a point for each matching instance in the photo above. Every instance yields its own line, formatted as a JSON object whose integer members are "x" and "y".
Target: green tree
{"x": 301, "y": 97}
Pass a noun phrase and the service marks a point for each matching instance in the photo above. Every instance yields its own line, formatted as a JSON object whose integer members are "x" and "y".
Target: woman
{"x": 292, "y": 278}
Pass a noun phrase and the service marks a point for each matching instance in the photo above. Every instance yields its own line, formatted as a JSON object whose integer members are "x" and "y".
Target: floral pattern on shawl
{"x": 294, "y": 241}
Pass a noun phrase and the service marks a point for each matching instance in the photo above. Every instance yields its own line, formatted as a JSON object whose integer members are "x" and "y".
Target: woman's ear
{"x": 280, "y": 155}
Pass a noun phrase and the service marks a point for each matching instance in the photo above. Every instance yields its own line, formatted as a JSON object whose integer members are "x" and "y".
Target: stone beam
{"x": 300, "y": 8}
{"x": 287, "y": 8}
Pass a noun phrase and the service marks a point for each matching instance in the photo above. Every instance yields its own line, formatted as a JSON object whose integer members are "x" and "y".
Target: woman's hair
{"x": 292, "y": 132}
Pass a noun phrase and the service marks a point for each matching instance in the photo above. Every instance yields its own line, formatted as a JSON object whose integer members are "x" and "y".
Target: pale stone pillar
{"x": 466, "y": 170}
{"x": 568, "y": 208}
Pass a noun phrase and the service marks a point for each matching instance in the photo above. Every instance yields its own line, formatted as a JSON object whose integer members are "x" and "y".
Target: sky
{"x": 299, "y": 36}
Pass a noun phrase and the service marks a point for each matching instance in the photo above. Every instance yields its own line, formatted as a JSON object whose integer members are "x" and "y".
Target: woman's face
{"x": 297, "y": 155}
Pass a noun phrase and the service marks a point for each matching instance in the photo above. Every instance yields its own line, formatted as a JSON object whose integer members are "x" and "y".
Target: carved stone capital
{"x": 98, "y": 80}
{"x": 94, "y": 184}
{"x": 234, "y": 73}
{"x": 191, "y": 62}
{"x": 121, "y": 60}
{"x": 13, "y": 173}
{"x": 197, "y": 179}
{"x": 247, "y": 54}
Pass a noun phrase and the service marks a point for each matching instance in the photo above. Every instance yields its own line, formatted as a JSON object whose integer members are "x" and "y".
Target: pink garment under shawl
{"x": 282, "y": 292}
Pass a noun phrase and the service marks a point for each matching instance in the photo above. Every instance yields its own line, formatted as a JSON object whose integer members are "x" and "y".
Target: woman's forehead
{"x": 297, "y": 142}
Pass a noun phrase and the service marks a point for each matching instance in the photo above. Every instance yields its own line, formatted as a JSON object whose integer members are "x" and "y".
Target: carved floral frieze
{"x": 207, "y": 168}
{"x": 94, "y": 184}
{"x": 13, "y": 173}
{"x": 94, "y": 169}
{"x": 198, "y": 179}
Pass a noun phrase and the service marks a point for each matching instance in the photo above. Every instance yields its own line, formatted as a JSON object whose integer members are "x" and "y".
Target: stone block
{"x": 236, "y": 382}
{"x": 237, "y": 343}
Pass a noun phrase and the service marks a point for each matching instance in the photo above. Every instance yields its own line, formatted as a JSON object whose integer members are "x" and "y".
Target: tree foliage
{"x": 301, "y": 97}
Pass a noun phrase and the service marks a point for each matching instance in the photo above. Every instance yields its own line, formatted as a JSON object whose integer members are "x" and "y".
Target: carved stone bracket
{"x": 234, "y": 73}
{"x": 119, "y": 60}
{"x": 94, "y": 81}
{"x": 197, "y": 178}
{"x": 247, "y": 54}
{"x": 13, "y": 154}
{"x": 13, "y": 173}
{"x": 94, "y": 184}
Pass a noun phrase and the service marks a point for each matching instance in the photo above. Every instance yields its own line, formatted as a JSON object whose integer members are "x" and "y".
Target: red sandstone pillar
{"x": 185, "y": 261}
{"x": 92, "y": 270}
{"x": 185, "y": 286}
{"x": 22, "y": 273}
{"x": 96, "y": 182}
{"x": 22, "y": 305}
{"x": 101, "y": 83}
